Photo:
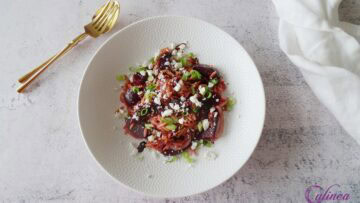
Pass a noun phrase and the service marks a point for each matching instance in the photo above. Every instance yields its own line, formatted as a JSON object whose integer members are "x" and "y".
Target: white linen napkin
{"x": 327, "y": 53}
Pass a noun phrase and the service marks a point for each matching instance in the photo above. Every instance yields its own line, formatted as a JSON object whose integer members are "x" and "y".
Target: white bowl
{"x": 111, "y": 148}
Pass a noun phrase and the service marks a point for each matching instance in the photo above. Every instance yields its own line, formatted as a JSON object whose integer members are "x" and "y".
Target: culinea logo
{"x": 316, "y": 194}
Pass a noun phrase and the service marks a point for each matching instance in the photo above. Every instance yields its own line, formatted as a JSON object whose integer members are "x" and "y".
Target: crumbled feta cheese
{"x": 135, "y": 117}
{"x": 177, "y": 87}
{"x": 205, "y": 124}
{"x": 167, "y": 113}
{"x": 193, "y": 145}
{"x": 178, "y": 65}
{"x": 157, "y": 100}
{"x": 182, "y": 98}
{"x": 165, "y": 96}
{"x": 131, "y": 78}
{"x": 181, "y": 121}
{"x": 212, "y": 109}
{"x": 194, "y": 100}
{"x": 151, "y": 66}
{"x": 176, "y": 107}
{"x": 140, "y": 92}
{"x": 217, "y": 100}
{"x": 161, "y": 76}
{"x": 156, "y": 71}
{"x": 158, "y": 134}
{"x": 174, "y": 52}
{"x": 182, "y": 46}
{"x": 143, "y": 73}
{"x": 151, "y": 138}
{"x": 167, "y": 63}
{"x": 210, "y": 85}
{"x": 211, "y": 155}
{"x": 215, "y": 114}
{"x": 202, "y": 90}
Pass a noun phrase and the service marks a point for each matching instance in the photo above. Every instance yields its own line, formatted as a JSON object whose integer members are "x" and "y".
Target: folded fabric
{"x": 327, "y": 53}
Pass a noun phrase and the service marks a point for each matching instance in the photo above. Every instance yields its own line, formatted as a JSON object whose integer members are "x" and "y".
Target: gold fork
{"x": 103, "y": 21}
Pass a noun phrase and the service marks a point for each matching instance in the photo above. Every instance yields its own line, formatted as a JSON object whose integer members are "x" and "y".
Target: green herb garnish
{"x": 120, "y": 77}
{"x": 195, "y": 75}
{"x": 230, "y": 103}
{"x": 187, "y": 157}
{"x": 209, "y": 95}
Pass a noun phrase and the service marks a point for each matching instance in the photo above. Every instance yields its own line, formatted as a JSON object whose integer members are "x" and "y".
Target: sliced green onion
{"x": 207, "y": 143}
{"x": 137, "y": 69}
{"x": 193, "y": 90}
{"x": 209, "y": 95}
{"x": 183, "y": 61}
{"x": 195, "y": 109}
{"x": 195, "y": 75}
{"x": 191, "y": 55}
{"x": 170, "y": 127}
{"x": 167, "y": 120}
{"x": 135, "y": 89}
{"x": 143, "y": 112}
{"x": 151, "y": 86}
{"x": 148, "y": 126}
{"x": 120, "y": 77}
{"x": 149, "y": 95}
{"x": 214, "y": 81}
{"x": 230, "y": 103}
{"x": 200, "y": 126}
{"x": 173, "y": 158}
{"x": 185, "y": 76}
{"x": 187, "y": 157}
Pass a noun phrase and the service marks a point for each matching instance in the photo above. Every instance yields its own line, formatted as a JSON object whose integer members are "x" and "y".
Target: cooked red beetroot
{"x": 205, "y": 108}
{"x": 216, "y": 127}
{"x": 131, "y": 98}
{"x": 134, "y": 128}
{"x": 139, "y": 79}
{"x": 205, "y": 70}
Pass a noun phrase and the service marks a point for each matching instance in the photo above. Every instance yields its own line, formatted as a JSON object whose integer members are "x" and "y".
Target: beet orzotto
{"x": 173, "y": 103}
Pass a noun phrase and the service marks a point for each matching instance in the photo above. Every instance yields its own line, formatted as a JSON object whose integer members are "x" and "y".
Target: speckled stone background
{"x": 43, "y": 156}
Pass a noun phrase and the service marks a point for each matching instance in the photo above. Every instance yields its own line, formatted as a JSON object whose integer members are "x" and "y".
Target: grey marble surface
{"x": 43, "y": 156}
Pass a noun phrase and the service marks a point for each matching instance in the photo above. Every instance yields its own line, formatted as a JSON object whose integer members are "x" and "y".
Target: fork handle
{"x": 32, "y": 75}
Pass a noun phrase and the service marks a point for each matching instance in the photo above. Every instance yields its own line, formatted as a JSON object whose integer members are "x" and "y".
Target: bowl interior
{"x": 104, "y": 135}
